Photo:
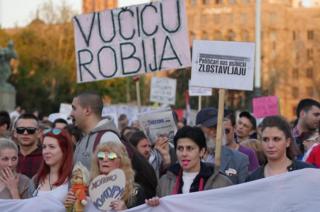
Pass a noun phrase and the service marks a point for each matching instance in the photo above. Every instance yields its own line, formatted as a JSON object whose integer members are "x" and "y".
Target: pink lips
{"x": 185, "y": 162}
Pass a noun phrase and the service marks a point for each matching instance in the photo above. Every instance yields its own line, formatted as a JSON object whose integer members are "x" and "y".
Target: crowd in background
{"x": 37, "y": 156}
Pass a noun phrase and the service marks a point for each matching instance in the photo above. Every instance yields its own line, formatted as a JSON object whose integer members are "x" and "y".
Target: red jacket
{"x": 314, "y": 157}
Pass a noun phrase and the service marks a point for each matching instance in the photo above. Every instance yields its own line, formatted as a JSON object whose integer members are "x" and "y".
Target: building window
{"x": 295, "y": 92}
{"x": 243, "y": 18}
{"x": 205, "y": 1}
{"x": 192, "y": 36}
{"x": 310, "y": 91}
{"x": 217, "y": 35}
{"x": 245, "y": 35}
{"x": 231, "y": 35}
{"x": 294, "y": 36}
{"x": 274, "y": 45}
{"x": 216, "y": 18}
{"x": 310, "y": 54}
{"x": 310, "y": 34}
{"x": 205, "y": 36}
{"x": 309, "y": 73}
{"x": 295, "y": 73}
{"x": 297, "y": 56}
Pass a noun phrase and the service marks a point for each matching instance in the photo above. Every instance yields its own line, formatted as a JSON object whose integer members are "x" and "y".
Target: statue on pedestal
{"x": 6, "y": 54}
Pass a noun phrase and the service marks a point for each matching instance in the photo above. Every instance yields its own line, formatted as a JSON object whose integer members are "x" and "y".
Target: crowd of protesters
{"x": 37, "y": 157}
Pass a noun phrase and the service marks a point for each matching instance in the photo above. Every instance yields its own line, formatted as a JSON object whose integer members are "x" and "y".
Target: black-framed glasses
{"x": 30, "y": 130}
{"x": 54, "y": 131}
{"x": 109, "y": 155}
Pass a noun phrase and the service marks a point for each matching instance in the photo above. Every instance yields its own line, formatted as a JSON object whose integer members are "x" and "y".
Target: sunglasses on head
{"x": 109, "y": 155}
{"x": 30, "y": 130}
{"x": 54, "y": 131}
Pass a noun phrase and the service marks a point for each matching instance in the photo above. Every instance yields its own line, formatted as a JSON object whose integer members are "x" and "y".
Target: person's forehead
{"x": 8, "y": 152}
{"x": 314, "y": 109}
{"x": 272, "y": 131}
{"x": 245, "y": 119}
{"x": 186, "y": 142}
{"x": 27, "y": 123}
{"x": 227, "y": 122}
{"x": 75, "y": 101}
{"x": 143, "y": 141}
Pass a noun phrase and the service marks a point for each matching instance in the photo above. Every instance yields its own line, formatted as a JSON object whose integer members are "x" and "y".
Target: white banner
{"x": 223, "y": 64}
{"x": 296, "y": 191}
{"x": 292, "y": 192}
{"x": 163, "y": 90}
{"x": 131, "y": 40}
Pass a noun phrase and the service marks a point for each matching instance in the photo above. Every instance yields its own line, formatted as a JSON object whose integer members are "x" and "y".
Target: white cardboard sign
{"x": 163, "y": 90}
{"x": 222, "y": 64}
{"x": 131, "y": 40}
{"x": 199, "y": 91}
{"x": 106, "y": 188}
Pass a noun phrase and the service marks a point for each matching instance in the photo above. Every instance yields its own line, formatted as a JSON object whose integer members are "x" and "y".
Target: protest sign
{"x": 106, "y": 188}
{"x": 265, "y": 106}
{"x": 158, "y": 123}
{"x": 199, "y": 91}
{"x": 281, "y": 193}
{"x": 163, "y": 90}
{"x": 219, "y": 64}
{"x": 131, "y": 40}
{"x": 65, "y": 108}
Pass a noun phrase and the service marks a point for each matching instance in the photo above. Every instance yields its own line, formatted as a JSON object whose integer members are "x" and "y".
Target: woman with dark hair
{"x": 190, "y": 174}
{"x": 278, "y": 146}
{"x": 55, "y": 170}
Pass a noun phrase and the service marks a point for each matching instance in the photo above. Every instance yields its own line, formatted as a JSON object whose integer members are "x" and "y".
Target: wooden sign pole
{"x": 138, "y": 94}
{"x": 199, "y": 103}
{"x": 217, "y": 158}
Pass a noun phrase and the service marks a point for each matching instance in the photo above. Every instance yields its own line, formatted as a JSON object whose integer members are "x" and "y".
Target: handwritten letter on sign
{"x": 106, "y": 188}
{"x": 163, "y": 90}
{"x": 131, "y": 40}
{"x": 219, "y": 64}
{"x": 265, "y": 106}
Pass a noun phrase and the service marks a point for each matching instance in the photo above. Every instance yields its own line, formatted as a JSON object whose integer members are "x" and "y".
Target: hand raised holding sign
{"x": 113, "y": 184}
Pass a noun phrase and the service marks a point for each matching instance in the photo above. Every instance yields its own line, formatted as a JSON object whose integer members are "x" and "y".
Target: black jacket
{"x": 259, "y": 172}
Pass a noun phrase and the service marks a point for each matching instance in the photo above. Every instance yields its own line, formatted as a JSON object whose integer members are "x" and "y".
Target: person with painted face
{"x": 279, "y": 148}
{"x": 12, "y": 184}
{"x": 190, "y": 174}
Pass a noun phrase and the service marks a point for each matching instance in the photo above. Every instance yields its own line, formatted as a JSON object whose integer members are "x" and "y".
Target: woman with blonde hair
{"x": 108, "y": 157}
{"x": 12, "y": 184}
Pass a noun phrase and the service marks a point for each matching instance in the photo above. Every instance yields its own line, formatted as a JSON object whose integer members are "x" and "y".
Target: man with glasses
{"x": 233, "y": 163}
{"x": 229, "y": 124}
{"x": 27, "y": 134}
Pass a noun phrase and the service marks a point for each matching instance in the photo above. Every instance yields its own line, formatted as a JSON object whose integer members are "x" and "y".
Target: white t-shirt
{"x": 188, "y": 178}
{"x": 59, "y": 193}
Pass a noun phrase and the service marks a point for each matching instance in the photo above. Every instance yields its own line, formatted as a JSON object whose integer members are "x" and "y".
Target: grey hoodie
{"x": 84, "y": 147}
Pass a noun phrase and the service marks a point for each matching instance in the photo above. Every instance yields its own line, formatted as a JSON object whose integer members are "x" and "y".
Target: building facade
{"x": 290, "y": 42}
